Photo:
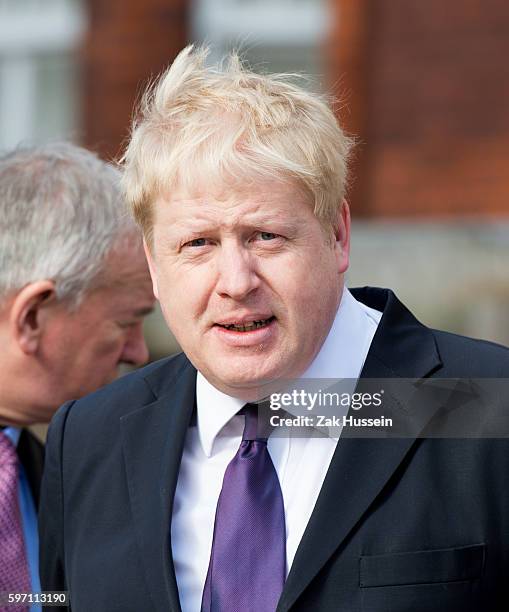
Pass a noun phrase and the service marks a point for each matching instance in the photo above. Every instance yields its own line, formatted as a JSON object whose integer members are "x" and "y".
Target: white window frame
{"x": 28, "y": 29}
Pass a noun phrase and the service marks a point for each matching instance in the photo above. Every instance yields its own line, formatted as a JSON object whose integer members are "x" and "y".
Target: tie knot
{"x": 252, "y": 429}
{"x": 8, "y": 454}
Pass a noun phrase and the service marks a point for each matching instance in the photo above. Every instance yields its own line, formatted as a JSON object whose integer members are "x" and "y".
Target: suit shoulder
{"x": 464, "y": 356}
{"x": 126, "y": 393}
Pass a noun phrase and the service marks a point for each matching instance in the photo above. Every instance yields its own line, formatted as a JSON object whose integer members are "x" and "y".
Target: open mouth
{"x": 248, "y": 326}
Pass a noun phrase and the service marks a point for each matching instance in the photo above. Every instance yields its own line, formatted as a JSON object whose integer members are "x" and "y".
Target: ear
{"x": 27, "y": 314}
{"x": 342, "y": 237}
{"x": 151, "y": 267}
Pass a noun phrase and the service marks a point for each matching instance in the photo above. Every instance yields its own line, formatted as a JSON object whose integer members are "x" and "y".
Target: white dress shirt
{"x": 301, "y": 463}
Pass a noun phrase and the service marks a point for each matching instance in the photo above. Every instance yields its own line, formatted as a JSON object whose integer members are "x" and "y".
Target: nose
{"x": 135, "y": 351}
{"x": 237, "y": 275}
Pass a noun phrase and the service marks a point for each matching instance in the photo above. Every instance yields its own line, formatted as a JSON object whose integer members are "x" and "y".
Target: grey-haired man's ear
{"x": 28, "y": 313}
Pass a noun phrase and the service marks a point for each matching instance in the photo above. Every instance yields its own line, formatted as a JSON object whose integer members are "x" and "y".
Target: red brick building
{"x": 425, "y": 87}
{"x": 128, "y": 43}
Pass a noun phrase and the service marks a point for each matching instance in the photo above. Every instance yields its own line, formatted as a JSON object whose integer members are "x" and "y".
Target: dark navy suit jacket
{"x": 409, "y": 524}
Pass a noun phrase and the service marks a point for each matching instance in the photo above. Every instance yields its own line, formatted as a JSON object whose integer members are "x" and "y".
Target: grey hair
{"x": 61, "y": 214}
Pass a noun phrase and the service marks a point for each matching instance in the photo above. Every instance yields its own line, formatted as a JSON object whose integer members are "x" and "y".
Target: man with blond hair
{"x": 177, "y": 500}
{"x": 74, "y": 287}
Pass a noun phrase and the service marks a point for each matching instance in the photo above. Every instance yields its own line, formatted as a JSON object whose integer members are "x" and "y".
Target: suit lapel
{"x": 153, "y": 439}
{"x": 360, "y": 468}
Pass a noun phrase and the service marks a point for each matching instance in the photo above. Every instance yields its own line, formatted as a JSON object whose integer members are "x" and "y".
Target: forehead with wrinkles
{"x": 264, "y": 204}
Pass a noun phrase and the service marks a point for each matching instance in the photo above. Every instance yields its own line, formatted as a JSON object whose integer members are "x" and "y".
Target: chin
{"x": 252, "y": 381}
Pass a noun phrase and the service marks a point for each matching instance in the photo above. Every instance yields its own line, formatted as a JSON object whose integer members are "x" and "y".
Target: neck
{"x": 9, "y": 419}
{"x": 23, "y": 394}
{"x": 16, "y": 412}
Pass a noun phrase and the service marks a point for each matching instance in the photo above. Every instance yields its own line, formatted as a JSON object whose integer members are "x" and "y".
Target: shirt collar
{"x": 341, "y": 356}
{"x": 13, "y": 433}
{"x": 214, "y": 409}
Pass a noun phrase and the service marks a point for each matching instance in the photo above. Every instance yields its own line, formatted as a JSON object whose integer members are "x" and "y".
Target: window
{"x": 39, "y": 94}
{"x": 274, "y": 35}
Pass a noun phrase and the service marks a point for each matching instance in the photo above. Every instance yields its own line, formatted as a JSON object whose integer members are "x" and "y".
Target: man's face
{"x": 83, "y": 349}
{"x": 249, "y": 282}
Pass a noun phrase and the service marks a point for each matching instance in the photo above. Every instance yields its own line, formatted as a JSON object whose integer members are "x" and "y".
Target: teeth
{"x": 248, "y": 326}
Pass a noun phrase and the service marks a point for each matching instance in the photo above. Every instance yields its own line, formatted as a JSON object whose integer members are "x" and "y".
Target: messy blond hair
{"x": 199, "y": 125}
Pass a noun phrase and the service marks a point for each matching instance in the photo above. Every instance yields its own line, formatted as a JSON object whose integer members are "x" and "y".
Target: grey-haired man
{"x": 74, "y": 288}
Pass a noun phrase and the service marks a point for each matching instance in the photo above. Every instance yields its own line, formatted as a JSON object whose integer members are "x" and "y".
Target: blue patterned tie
{"x": 247, "y": 565}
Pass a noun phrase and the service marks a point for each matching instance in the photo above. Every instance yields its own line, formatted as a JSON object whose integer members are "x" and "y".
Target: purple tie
{"x": 14, "y": 577}
{"x": 247, "y": 565}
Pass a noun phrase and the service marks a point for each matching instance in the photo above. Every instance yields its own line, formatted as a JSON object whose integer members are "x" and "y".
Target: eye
{"x": 128, "y": 324}
{"x": 197, "y": 242}
{"x": 267, "y": 236}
